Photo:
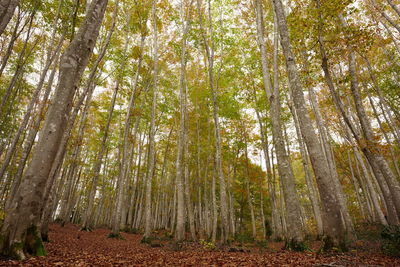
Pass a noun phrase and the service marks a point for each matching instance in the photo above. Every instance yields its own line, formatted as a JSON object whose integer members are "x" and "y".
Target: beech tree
{"x": 20, "y": 234}
{"x": 217, "y": 121}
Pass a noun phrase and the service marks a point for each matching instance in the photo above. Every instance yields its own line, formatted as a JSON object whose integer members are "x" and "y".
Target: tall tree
{"x": 334, "y": 229}
{"x": 7, "y": 8}
{"x": 20, "y": 233}
{"x": 152, "y": 131}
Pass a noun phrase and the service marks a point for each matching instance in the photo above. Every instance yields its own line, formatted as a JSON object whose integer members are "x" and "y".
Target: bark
{"x": 295, "y": 232}
{"x": 249, "y": 201}
{"x": 30, "y": 139}
{"x": 152, "y": 132}
{"x": 371, "y": 188}
{"x": 391, "y": 123}
{"x": 379, "y": 162}
{"x": 333, "y": 225}
{"x": 276, "y": 226}
{"x": 21, "y": 223}
{"x": 7, "y": 8}
{"x": 218, "y": 160}
{"x": 394, "y": 6}
{"x": 386, "y": 16}
{"x": 27, "y": 116}
{"x": 387, "y": 139}
{"x": 97, "y": 166}
{"x": 312, "y": 191}
{"x": 181, "y": 155}
{"x": 392, "y": 216}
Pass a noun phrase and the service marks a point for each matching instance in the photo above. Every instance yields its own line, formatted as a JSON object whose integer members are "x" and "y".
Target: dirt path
{"x": 70, "y": 247}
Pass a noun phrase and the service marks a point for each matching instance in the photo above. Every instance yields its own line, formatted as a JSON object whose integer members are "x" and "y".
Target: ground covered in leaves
{"x": 71, "y": 247}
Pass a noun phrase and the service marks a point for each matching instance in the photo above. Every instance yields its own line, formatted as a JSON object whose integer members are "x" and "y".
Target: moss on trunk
{"x": 333, "y": 245}
{"x": 117, "y": 236}
{"x": 295, "y": 245}
{"x": 33, "y": 242}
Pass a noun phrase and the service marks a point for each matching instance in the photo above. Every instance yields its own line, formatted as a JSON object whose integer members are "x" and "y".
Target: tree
{"x": 7, "y": 8}
{"x": 334, "y": 229}
{"x": 20, "y": 233}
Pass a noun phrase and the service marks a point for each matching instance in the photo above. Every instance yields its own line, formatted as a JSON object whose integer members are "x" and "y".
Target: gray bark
{"x": 21, "y": 223}
{"x": 333, "y": 225}
{"x": 295, "y": 231}
{"x": 152, "y": 132}
{"x": 7, "y": 8}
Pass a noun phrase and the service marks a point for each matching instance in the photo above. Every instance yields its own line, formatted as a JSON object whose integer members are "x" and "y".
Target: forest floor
{"x": 71, "y": 247}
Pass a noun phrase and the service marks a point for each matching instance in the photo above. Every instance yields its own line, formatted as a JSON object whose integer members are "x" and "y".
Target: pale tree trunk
{"x": 181, "y": 155}
{"x": 394, "y": 6}
{"x": 334, "y": 228}
{"x": 7, "y": 8}
{"x": 98, "y": 162}
{"x": 125, "y": 146}
{"x": 275, "y": 217}
{"x": 152, "y": 131}
{"x": 62, "y": 148}
{"x": 27, "y": 146}
{"x": 249, "y": 200}
{"x": 386, "y": 16}
{"x": 262, "y": 214}
{"x": 371, "y": 188}
{"x": 231, "y": 206}
{"x": 19, "y": 70}
{"x": 20, "y": 230}
{"x": 368, "y": 133}
{"x": 99, "y": 158}
{"x": 331, "y": 161}
{"x": 312, "y": 191}
{"x": 120, "y": 187}
{"x": 14, "y": 36}
{"x": 356, "y": 188}
{"x": 385, "y": 110}
{"x": 209, "y": 47}
{"x": 392, "y": 214}
{"x": 371, "y": 214}
{"x": 391, "y": 211}
{"x": 214, "y": 206}
{"x": 387, "y": 139}
{"x": 295, "y": 232}
{"x": 189, "y": 205}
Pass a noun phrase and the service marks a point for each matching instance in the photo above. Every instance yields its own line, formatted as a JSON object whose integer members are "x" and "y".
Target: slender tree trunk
{"x": 152, "y": 132}
{"x": 249, "y": 200}
{"x": 86, "y": 223}
{"x": 7, "y": 8}
{"x": 312, "y": 191}
{"x": 374, "y": 155}
{"x": 295, "y": 232}
{"x": 181, "y": 155}
{"x": 334, "y": 229}
{"x": 394, "y": 6}
{"x": 20, "y": 229}
{"x": 218, "y": 160}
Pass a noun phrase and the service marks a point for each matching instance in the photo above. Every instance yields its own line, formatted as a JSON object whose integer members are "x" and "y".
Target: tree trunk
{"x": 152, "y": 132}
{"x": 295, "y": 233}
{"x": 7, "y": 8}
{"x": 20, "y": 229}
{"x": 218, "y": 160}
{"x": 181, "y": 155}
{"x": 86, "y": 223}
{"x": 334, "y": 228}
{"x": 312, "y": 191}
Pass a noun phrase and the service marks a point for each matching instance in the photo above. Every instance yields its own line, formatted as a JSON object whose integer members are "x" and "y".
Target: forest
{"x": 204, "y": 126}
